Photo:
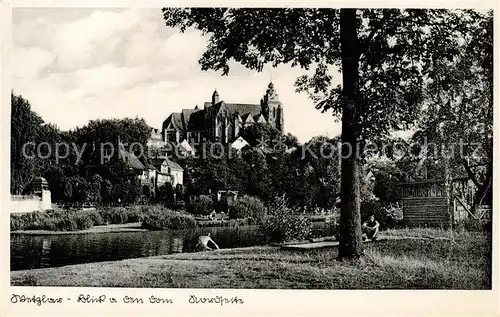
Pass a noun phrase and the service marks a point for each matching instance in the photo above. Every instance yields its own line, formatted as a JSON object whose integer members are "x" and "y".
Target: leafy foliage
{"x": 55, "y": 220}
{"x": 388, "y": 215}
{"x": 247, "y": 207}
{"x": 202, "y": 205}
{"x": 159, "y": 218}
{"x": 283, "y": 224}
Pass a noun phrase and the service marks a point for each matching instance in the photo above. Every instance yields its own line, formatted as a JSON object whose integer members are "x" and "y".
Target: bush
{"x": 114, "y": 215}
{"x": 203, "y": 205}
{"x": 247, "y": 207}
{"x": 159, "y": 218}
{"x": 283, "y": 224}
{"x": 85, "y": 220}
{"x": 133, "y": 213}
{"x": 93, "y": 215}
{"x": 471, "y": 224}
{"x": 17, "y": 222}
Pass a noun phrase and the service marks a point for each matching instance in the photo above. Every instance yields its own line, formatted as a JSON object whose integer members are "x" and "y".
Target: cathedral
{"x": 219, "y": 121}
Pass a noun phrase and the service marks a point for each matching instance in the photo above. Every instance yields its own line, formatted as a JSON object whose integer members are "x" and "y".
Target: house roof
{"x": 130, "y": 160}
{"x": 194, "y": 119}
{"x": 148, "y": 164}
{"x": 173, "y": 165}
{"x": 185, "y": 146}
{"x": 186, "y": 115}
{"x": 239, "y": 143}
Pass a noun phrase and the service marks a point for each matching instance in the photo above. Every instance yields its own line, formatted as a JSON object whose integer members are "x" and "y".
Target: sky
{"x": 80, "y": 64}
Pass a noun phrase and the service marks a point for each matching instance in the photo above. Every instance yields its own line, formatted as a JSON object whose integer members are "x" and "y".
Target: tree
{"x": 99, "y": 132}
{"x": 260, "y": 134}
{"x": 382, "y": 54}
{"x": 166, "y": 192}
{"x": 95, "y": 188}
{"x": 25, "y": 127}
{"x": 68, "y": 190}
{"x": 459, "y": 113}
{"x": 107, "y": 190}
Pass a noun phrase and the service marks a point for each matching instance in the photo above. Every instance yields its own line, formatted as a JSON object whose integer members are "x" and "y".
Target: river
{"x": 41, "y": 251}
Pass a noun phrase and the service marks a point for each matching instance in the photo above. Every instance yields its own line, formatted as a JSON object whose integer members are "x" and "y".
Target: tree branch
{"x": 470, "y": 173}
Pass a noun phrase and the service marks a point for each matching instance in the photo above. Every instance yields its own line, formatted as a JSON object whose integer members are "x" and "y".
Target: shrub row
{"x": 55, "y": 220}
{"x": 159, "y": 218}
{"x": 121, "y": 215}
{"x": 71, "y": 220}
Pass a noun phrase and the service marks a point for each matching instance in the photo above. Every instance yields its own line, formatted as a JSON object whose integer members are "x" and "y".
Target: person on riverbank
{"x": 370, "y": 229}
{"x": 203, "y": 242}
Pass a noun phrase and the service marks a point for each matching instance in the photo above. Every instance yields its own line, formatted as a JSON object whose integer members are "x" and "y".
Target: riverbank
{"x": 461, "y": 261}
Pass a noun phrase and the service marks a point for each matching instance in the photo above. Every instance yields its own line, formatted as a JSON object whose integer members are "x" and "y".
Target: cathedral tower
{"x": 272, "y": 108}
{"x": 215, "y": 98}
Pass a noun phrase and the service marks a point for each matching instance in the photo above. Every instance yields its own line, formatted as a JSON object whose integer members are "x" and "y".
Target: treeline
{"x": 64, "y": 157}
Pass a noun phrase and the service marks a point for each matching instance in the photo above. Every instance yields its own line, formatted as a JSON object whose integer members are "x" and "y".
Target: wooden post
{"x": 447, "y": 183}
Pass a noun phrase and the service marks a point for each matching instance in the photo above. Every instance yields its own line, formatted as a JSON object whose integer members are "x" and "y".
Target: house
{"x": 219, "y": 121}
{"x": 155, "y": 139}
{"x": 168, "y": 172}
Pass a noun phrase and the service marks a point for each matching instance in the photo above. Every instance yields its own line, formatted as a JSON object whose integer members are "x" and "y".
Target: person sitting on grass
{"x": 203, "y": 242}
{"x": 370, "y": 229}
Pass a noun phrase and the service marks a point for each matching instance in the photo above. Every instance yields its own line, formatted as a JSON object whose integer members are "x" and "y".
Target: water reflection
{"x": 45, "y": 254}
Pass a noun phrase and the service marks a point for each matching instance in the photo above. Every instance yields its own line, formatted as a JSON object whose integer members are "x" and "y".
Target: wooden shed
{"x": 427, "y": 203}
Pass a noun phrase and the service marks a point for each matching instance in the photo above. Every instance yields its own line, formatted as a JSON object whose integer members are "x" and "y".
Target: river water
{"x": 41, "y": 251}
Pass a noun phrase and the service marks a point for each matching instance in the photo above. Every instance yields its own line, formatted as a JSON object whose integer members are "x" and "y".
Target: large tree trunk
{"x": 350, "y": 244}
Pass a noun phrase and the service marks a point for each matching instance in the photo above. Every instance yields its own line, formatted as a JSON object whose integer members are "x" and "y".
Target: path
{"x": 330, "y": 244}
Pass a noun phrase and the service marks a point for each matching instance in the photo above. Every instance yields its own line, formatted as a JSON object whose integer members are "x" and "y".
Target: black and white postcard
{"x": 249, "y": 158}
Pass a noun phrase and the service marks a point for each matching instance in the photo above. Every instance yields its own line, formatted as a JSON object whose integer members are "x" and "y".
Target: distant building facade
{"x": 221, "y": 121}
{"x": 155, "y": 139}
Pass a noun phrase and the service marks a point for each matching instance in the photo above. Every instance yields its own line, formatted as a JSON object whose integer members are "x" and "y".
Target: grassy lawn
{"x": 433, "y": 261}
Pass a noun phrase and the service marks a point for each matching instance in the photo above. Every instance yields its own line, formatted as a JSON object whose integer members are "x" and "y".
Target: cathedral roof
{"x": 175, "y": 119}
{"x": 246, "y": 116}
{"x": 239, "y": 108}
{"x": 196, "y": 120}
{"x": 186, "y": 114}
